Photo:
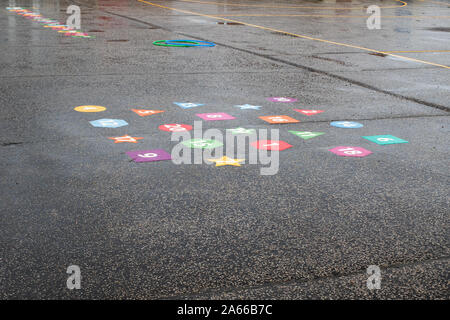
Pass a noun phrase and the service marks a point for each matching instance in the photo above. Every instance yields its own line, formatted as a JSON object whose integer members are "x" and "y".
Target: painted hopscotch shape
{"x": 109, "y": 123}
{"x": 248, "y": 106}
{"x": 145, "y": 112}
{"x": 215, "y": 116}
{"x": 279, "y": 119}
{"x": 90, "y": 109}
{"x": 202, "y": 143}
{"x": 346, "y": 124}
{"x": 126, "y": 138}
{"x": 149, "y": 155}
{"x": 226, "y": 161}
{"x": 306, "y": 134}
{"x": 282, "y": 99}
{"x": 241, "y": 131}
{"x": 175, "y": 127}
{"x": 188, "y": 105}
{"x": 308, "y": 112}
{"x": 273, "y": 145}
{"x": 385, "y": 139}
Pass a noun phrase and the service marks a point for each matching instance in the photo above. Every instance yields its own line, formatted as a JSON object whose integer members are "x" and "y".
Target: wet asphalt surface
{"x": 156, "y": 230}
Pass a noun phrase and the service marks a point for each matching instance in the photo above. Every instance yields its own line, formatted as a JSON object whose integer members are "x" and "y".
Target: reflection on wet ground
{"x": 70, "y": 195}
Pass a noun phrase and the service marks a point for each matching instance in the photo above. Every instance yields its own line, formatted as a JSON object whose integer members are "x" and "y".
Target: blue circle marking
{"x": 346, "y": 124}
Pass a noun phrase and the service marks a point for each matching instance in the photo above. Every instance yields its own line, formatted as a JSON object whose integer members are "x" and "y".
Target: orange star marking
{"x": 225, "y": 161}
{"x": 143, "y": 112}
{"x": 126, "y": 139}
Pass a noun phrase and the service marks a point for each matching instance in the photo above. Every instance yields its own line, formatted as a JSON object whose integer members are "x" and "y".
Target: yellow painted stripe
{"x": 403, "y": 4}
{"x": 295, "y": 35}
{"x": 327, "y": 16}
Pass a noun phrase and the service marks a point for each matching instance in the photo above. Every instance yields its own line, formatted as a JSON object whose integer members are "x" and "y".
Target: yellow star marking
{"x": 225, "y": 161}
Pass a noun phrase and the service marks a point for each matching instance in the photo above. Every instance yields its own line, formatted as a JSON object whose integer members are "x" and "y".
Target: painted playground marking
{"x": 206, "y": 143}
{"x": 149, "y": 155}
{"x": 308, "y": 112}
{"x": 90, "y": 109}
{"x": 346, "y": 124}
{"x": 202, "y": 143}
{"x": 126, "y": 138}
{"x": 345, "y": 151}
{"x": 273, "y": 145}
{"x": 175, "y": 127}
{"x": 215, "y": 116}
{"x": 226, "y": 161}
{"x": 145, "y": 112}
{"x": 241, "y": 131}
{"x": 49, "y": 23}
{"x": 188, "y": 105}
{"x": 385, "y": 139}
{"x": 279, "y": 119}
{"x": 282, "y": 99}
{"x": 248, "y": 106}
{"x": 109, "y": 123}
{"x": 306, "y": 134}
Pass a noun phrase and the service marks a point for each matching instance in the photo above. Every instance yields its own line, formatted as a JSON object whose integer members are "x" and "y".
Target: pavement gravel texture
{"x": 157, "y": 230}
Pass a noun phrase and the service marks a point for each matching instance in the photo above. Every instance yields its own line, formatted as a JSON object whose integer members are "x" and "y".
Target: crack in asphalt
{"x": 298, "y": 282}
{"x": 5, "y": 144}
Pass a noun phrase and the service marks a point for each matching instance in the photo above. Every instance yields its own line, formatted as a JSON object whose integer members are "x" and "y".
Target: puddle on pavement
{"x": 283, "y": 34}
{"x": 440, "y": 29}
{"x": 329, "y": 59}
{"x": 402, "y": 30}
{"x": 378, "y": 54}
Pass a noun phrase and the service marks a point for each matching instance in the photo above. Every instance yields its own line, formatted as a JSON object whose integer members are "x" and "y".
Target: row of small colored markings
{"x": 273, "y": 145}
{"x": 49, "y": 23}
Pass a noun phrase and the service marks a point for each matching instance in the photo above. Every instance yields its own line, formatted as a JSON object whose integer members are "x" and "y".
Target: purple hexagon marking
{"x": 149, "y": 155}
